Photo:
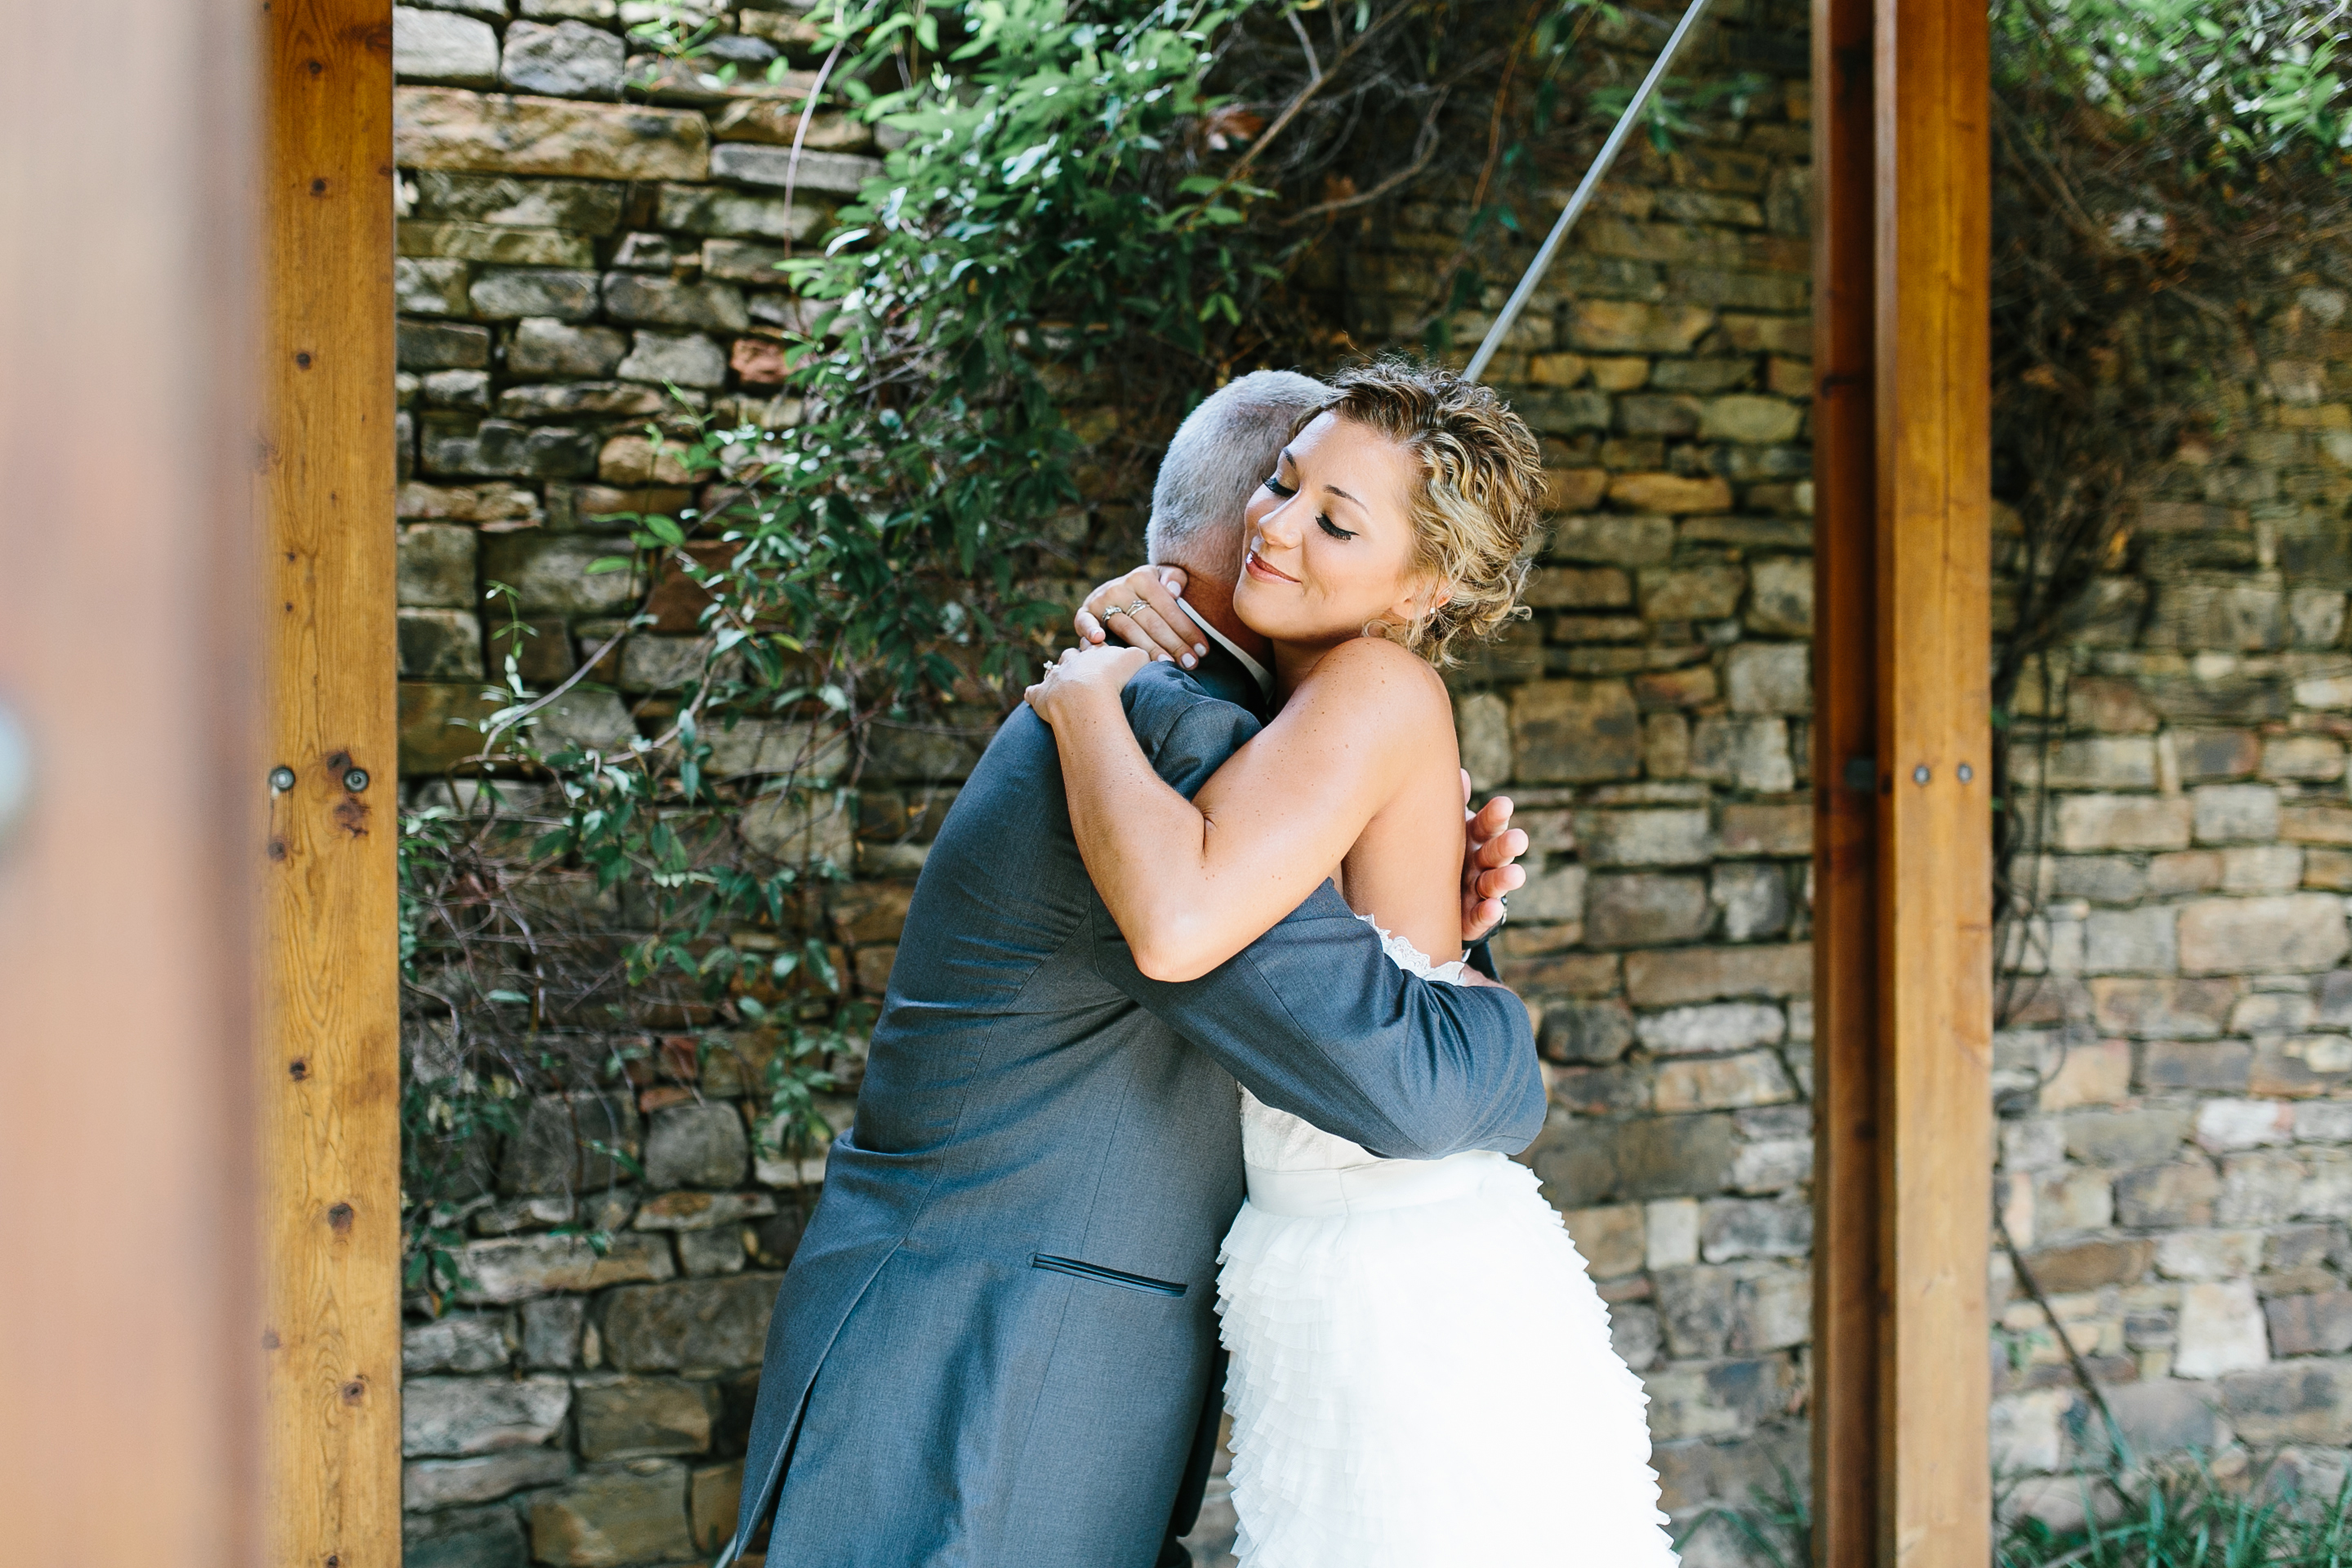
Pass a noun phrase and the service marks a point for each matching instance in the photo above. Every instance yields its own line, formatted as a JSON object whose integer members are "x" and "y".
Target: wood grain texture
{"x": 329, "y": 1056}
{"x": 1934, "y": 457}
{"x": 1845, "y": 1394}
{"x": 1902, "y": 860}
{"x": 130, "y": 1369}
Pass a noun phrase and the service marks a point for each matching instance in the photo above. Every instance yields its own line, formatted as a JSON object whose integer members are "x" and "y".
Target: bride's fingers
{"x": 1139, "y": 623}
{"x": 1493, "y": 885}
{"x": 1144, "y": 583}
{"x": 1141, "y": 626}
{"x": 1142, "y": 610}
{"x": 1089, "y": 629}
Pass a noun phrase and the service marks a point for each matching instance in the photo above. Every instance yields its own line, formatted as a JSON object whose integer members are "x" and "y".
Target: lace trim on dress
{"x": 1411, "y": 959}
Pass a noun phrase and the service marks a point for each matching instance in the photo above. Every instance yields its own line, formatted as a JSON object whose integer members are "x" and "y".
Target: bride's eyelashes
{"x": 1284, "y": 493}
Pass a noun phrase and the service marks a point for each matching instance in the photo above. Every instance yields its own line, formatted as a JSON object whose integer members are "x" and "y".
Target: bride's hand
{"x": 1140, "y": 608}
{"x": 1084, "y": 675}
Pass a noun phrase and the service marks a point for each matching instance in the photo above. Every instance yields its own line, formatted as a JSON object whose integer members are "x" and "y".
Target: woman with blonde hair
{"x": 1421, "y": 1372}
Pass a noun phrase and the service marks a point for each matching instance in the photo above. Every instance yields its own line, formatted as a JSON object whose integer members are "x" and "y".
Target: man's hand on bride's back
{"x": 1140, "y": 609}
{"x": 1083, "y": 677}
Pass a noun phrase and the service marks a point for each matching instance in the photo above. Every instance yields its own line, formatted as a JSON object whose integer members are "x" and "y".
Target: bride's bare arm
{"x": 1192, "y": 882}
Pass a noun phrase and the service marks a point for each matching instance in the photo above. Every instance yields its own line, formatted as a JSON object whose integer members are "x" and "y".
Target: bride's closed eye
{"x": 1275, "y": 485}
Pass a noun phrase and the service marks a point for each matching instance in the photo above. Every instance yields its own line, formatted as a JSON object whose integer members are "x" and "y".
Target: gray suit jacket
{"x": 993, "y": 1345}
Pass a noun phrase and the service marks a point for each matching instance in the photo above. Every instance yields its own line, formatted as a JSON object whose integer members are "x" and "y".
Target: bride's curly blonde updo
{"x": 1476, "y": 512}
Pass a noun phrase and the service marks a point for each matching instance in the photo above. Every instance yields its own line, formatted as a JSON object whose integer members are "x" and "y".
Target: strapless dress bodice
{"x": 1296, "y": 1168}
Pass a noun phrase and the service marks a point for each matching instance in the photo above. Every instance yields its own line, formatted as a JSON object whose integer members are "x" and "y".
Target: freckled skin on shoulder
{"x": 1402, "y": 865}
{"x": 1355, "y": 778}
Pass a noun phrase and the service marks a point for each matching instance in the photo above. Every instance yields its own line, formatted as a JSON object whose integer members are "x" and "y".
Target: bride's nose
{"x": 1279, "y": 528}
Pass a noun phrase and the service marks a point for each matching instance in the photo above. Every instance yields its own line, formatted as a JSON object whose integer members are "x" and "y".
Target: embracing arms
{"x": 1144, "y": 608}
{"x": 1192, "y": 882}
{"x": 1313, "y": 1017}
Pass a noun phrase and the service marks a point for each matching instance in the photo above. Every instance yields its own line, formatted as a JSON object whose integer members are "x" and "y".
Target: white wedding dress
{"x": 1421, "y": 1375}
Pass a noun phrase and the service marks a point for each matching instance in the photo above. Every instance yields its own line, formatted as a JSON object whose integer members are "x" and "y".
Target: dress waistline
{"x": 1368, "y": 1188}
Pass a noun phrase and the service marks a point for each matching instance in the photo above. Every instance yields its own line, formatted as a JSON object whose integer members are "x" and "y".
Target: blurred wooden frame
{"x": 199, "y": 1345}
{"x": 131, "y": 1323}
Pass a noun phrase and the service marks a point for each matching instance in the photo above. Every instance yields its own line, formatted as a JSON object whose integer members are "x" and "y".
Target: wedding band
{"x": 1129, "y": 611}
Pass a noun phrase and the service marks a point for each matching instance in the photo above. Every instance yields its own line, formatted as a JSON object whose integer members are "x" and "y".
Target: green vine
{"x": 1090, "y": 212}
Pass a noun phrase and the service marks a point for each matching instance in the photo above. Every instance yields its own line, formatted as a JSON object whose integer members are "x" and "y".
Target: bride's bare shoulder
{"x": 1373, "y": 678}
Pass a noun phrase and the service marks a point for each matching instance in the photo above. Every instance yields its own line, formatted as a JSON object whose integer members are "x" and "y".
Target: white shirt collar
{"x": 1258, "y": 672}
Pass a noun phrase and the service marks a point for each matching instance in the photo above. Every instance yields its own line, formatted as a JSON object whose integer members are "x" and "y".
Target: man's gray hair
{"x": 1222, "y": 452}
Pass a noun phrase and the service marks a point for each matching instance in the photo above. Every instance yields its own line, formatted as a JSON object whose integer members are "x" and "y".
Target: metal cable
{"x": 1583, "y": 196}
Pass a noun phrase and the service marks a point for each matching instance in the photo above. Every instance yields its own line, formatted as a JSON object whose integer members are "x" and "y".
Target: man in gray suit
{"x": 997, "y": 1344}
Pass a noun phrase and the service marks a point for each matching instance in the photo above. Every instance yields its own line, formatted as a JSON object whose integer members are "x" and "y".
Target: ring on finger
{"x": 1131, "y": 611}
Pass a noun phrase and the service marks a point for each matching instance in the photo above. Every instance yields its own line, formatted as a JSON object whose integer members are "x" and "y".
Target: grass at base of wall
{"x": 2177, "y": 1514}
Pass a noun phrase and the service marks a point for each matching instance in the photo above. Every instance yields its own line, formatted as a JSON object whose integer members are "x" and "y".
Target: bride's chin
{"x": 1252, "y": 614}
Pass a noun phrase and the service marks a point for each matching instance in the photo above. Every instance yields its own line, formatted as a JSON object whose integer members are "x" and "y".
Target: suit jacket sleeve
{"x": 1313, "y": 1017}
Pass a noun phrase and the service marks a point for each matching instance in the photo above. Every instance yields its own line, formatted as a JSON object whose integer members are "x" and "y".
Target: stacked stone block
{"x": 569, "y": 250}
{"x": 2174, "y": 1075}
{"x": 579, "y": 259}
{"x": 1652, "y": 721}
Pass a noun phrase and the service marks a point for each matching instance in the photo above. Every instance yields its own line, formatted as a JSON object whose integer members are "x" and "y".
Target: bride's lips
{"x": 1254, "y": 564}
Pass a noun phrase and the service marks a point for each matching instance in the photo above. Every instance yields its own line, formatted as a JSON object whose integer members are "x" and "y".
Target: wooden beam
{"x": 1903, "y": 575}
{"x": 329, "y": 1054}
{"x": 1845, "y": 1397}
{"x": 1933, "y": 440}
{"x": 128, "y": 1368}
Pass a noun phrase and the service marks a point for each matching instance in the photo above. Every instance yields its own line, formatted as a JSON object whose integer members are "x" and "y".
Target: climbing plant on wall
{"x": 863, "y": 551}
{"x": 2144, "y": 152}
{"x": 1089, "y": 213}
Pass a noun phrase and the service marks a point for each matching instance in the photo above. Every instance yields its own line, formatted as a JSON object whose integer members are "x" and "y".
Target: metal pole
{"x": 1576, "y": 203}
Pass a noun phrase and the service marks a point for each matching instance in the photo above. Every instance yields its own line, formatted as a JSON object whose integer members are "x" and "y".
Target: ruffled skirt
{"x": 1429, "y": 1384}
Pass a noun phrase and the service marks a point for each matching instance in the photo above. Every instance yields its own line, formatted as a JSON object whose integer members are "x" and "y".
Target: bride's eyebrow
{"x": 1343, "y": 495}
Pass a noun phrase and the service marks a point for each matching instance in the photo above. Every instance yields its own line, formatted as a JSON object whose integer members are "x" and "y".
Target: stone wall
{"x": 2174, "y": 1075}
{"x": 562, "y": 255}
{"x": 1651, "y": 721}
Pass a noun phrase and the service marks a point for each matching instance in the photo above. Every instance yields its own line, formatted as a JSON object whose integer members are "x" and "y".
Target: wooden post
{"x": 129, "y": 1366}
{"x": 1845, "y": 1399}
{"x": 329, "y": 1056}
{"x": 1903, "y": 871}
